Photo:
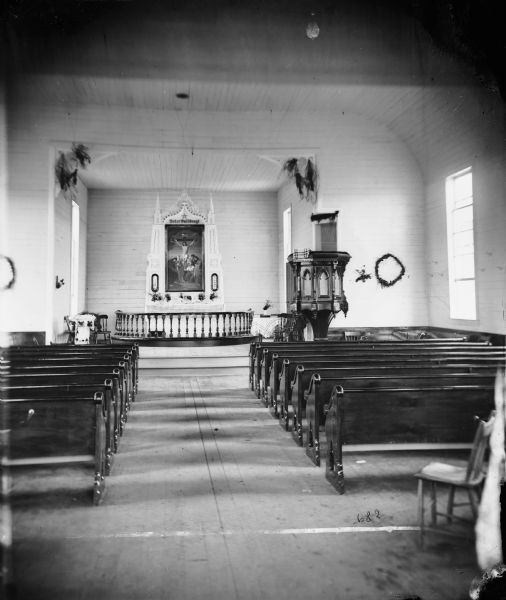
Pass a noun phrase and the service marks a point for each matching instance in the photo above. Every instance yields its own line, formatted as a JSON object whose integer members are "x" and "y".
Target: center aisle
{"x": 210, "y": 499}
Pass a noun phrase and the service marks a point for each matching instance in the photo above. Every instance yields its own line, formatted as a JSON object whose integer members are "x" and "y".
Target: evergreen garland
{"x": 306, "y": 181}
{"x": 384, "y": 282}
{"x": 67, "y": 165}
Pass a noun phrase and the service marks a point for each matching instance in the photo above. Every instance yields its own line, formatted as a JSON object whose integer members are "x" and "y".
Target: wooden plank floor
{"x": 210, "y": 499}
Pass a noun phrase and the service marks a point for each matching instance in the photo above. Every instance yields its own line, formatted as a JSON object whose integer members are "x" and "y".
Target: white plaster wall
{"x": 374, "y": 182}
{"x": 119, "y": 242}
{"x": 479, "y": 145}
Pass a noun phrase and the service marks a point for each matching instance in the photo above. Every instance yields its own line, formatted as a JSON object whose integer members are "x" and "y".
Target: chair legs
{"x": 433, "y": 503}
{"x": 420, "y": 511}
{"x": 474, "y": 501}
{"x": 449, "y": 508}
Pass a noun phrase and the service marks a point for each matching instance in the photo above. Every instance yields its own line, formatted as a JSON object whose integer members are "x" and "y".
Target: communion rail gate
{"x": 183, "y": 325}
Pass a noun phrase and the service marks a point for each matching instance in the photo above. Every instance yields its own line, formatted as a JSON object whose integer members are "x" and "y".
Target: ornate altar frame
{"x": 208, "y": 295}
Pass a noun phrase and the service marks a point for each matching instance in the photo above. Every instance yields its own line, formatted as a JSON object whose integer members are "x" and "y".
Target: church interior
{"x": 252, "y": 282}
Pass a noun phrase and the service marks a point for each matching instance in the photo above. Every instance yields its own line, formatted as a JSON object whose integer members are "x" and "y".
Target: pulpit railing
{"x": 183, "y": 325}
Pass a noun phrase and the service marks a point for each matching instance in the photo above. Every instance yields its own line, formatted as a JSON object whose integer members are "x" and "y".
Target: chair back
{"x": 475, "y": 472}
{"x": 71, "y": 327}
{"x": 102, "y": 323}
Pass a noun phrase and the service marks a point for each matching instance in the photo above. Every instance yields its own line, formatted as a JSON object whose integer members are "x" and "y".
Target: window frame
{"x": 454, "y": 203}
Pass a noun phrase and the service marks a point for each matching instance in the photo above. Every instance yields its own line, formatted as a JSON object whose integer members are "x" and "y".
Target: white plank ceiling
{"x": 239, "y": 60}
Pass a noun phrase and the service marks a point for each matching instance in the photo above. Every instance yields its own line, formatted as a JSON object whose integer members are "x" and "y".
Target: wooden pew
{"x": 55, "y": 350}
{"x": 257, "y": 348}
{"x": 68, "y": 366}
{"x": 291, "y": 391}
{"x": 55, "y": 431}
{"x": 263, "y": 365}
{"x": 15, "y": 387}
{"x": 365, "y": 353}
{"x": 409, "y": 418}
{"x": 62, "y": 353}
{"x": 320, "y": 389}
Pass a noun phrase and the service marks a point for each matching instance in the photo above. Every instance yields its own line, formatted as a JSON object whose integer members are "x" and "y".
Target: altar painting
{"x": 184, "y": 258}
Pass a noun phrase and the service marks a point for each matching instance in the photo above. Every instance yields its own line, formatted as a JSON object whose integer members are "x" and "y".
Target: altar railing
{"x": 183, "y": 325}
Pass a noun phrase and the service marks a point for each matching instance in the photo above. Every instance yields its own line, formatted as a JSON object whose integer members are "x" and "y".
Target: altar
{"x": 184, "y": 271}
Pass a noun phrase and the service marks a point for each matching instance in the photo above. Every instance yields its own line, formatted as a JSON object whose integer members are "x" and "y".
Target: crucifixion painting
{"x": 185, "y": 258}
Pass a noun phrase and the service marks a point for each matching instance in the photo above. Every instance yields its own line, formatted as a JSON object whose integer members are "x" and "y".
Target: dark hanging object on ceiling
{"x": 67, "y": 166}
{"x": 305, "y": 174}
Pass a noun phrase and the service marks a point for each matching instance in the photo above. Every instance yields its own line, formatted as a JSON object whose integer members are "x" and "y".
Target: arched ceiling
{"x": 370, "y": 59}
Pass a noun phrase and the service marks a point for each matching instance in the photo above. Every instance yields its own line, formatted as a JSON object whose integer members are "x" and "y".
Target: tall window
{"x": 459, "y": 222}
{"x": 74, "y": 260}
{"x": 287, "y": 232}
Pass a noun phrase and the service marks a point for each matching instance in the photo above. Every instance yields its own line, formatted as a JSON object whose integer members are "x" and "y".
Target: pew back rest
{"x": 423, "y": 414}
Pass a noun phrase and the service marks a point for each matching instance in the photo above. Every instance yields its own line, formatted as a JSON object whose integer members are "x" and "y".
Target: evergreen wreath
{"x": 384, "y": 282}
{"x": 9, "y": 272}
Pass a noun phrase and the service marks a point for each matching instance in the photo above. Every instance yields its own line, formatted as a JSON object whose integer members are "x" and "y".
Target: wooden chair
{"x": 102, "y": 330}
{"x": 467, "y": 476}
{"x": 71, "y": 332}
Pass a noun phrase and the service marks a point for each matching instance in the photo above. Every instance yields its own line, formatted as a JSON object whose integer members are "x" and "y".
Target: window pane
{"x": 463, "y": 242}
{"x": 463, "y": 202}
{"x": 463, "y": 305}
{"x": 463, "y": 186}
{"x": 463, "y": 266}
{"x": 463, "y": 219}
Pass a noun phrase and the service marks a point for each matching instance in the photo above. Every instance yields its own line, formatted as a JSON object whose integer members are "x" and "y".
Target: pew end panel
{"x": 298, "y": 404}
{"x": 334, "y": 471}
{"x": 283, "y": 399}
{"x": 312, "y": 395}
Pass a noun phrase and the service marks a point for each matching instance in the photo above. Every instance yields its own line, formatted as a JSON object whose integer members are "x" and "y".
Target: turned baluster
{"x": 235, "y": 324}
{"x": 170, "y": 326}
{"x": 194, "y": 326}
{"x": 217, "y": 315}
{"x": 163, "y": 325}
{"x": 229, "y": 324}
{"x": 210, "y": 323}
{"x": 203, "y": 317}
{"x": 179, "y": 326}
{"x": 187, "y": 317}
